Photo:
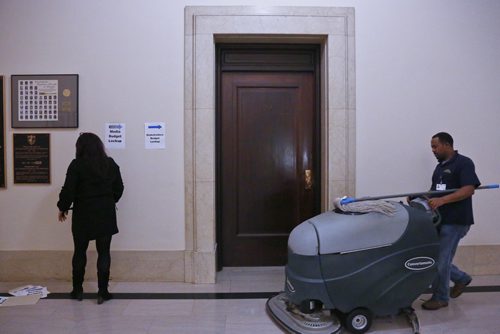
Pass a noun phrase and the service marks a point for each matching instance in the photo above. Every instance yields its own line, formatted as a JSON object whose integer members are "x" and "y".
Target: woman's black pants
{"x": 79, "y": 262}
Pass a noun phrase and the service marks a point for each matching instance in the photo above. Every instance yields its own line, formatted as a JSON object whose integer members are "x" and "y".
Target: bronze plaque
{"x": 31, "y": 158}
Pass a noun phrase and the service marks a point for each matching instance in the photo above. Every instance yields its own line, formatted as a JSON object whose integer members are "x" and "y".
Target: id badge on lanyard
{"x": 441, "y": 186}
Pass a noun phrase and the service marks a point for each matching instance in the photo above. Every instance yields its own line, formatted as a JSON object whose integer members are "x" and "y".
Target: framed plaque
{"x": 2, "y": 134}
{"x": 31, "y": 158}
{"x": 44, "y": 101}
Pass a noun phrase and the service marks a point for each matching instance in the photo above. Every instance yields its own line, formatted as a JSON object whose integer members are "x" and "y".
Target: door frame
{"x": 310, "y": 53}
{"x": 333, "y": 28}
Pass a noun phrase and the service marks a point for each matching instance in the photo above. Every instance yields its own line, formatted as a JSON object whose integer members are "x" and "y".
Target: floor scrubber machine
{"x": 344, "y": 268}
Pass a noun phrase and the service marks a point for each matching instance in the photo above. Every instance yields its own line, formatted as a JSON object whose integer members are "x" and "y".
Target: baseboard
{"x": 131, "y": 266}
{"x": 479, "y": 260}
{"x": 171, "y": 266}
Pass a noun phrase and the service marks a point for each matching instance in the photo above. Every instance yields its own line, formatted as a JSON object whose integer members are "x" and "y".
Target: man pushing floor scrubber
{"x": 370, "y": 257}
{"x": 453, "y": 171}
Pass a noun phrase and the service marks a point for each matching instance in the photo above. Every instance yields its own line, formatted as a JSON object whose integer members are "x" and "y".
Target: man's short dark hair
{"x": 444, "y": 138}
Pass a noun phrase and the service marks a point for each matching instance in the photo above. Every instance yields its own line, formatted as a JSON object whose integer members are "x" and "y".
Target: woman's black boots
{"x": 102, "y": 283}
{"x": 77, "y": 292}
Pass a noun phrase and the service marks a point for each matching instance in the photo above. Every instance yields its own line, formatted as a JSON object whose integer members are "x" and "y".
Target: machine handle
{"x": 347, "y": 200}
{"x": 489, "y": 186}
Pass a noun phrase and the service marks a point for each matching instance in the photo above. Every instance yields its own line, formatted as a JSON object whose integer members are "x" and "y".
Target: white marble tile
{"x": 249, "y": 324}
{"x": 163, "y": 307}
{"x": 205, "y": 145}
{"x": 337, "y": 71}
{"x": 270, "y": 24}
{"x": 188, "y": 72}
{"x": 204, "y": 263}
{"x": 189, "y": 225}
{"x": 232, "y": 309}
{"x": 188, "y": 145}
{"x": 337, "y": 156}
{"x": 391, "y": 324}
{"x": 204, "y": 71}
{"x": 87, "y": 309}
{"x": 114, "y": 324}
{"x": 337, "y": 47}
{"x": 214, "y": 308}
{"x": 188, "y": 325}
{"x": 204, "y": 216}
{"x": 246, "y": 308}
{"x": 188, "y": 254}
{"x": 37, "y": 311}
{"x": 351, "y": 70}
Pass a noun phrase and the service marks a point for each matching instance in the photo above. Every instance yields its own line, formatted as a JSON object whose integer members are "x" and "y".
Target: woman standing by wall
{"x": 93, "y": 185}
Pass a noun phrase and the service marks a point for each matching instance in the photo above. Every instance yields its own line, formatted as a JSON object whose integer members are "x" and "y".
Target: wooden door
{"x": 268, "y": 161}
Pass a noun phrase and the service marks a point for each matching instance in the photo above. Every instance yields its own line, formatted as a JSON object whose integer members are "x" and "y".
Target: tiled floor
{"x": 472, "y": 313}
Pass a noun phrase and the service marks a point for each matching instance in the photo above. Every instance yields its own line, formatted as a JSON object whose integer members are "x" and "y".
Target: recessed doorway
{"x": 268, "y": 149}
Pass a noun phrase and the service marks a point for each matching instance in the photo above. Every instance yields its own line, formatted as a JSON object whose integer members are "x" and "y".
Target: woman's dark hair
{"x": 90, "y": 147}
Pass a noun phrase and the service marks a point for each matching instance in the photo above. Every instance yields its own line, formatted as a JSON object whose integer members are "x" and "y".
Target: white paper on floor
{"x": 28, "y": 290}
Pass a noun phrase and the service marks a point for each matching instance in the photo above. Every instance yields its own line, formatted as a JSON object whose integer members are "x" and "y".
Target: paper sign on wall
{"x": 115, "y": 135}
{"x": 154, "y": 135}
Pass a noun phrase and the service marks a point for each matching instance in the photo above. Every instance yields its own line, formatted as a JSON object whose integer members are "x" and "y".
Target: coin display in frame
{"x": 44, "y": 101}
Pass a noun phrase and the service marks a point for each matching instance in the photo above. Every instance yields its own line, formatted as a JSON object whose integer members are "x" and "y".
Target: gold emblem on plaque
{"x": 31, "y": 139}
{"x": 66, "y": 92}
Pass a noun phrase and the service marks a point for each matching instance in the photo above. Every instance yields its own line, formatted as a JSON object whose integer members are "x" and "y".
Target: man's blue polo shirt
{"x": 455, "y": 173}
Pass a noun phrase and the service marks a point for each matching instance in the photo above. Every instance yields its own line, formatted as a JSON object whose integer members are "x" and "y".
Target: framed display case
{"x": 44, "y": 101}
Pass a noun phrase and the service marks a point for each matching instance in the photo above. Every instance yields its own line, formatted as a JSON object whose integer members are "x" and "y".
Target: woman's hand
{"x": 62, "y": 216}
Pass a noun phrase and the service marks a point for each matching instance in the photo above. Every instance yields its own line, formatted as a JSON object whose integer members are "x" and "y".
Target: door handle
{"x": 309, "y": 179}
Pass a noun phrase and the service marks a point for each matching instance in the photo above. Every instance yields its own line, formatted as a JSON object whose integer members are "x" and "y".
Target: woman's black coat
{"x": 93, "y": 195}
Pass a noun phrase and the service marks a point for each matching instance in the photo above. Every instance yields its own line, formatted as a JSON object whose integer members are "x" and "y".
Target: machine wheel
{"x": 359, "y": 321}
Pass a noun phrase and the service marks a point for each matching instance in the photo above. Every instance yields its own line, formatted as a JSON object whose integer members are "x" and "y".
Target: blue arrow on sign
{"x": 154, "y": 126}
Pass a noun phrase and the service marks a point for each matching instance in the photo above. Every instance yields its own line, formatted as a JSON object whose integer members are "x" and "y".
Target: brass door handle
{"x": 309, "y": 179}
